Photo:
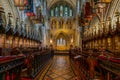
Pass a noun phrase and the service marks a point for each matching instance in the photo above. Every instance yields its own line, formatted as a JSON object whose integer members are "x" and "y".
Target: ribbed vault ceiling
{"x": 52, "y": 2}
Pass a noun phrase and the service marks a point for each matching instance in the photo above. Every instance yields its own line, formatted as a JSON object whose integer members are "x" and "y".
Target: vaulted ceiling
{"x": 52, "y": 2}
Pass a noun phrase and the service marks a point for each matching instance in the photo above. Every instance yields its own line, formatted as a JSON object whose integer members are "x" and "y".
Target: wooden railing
{"x": 109, "y": 65}
{"x": 40, "y": 61}
{"x": 33, "y": 61}
{"x": 80, "y": 65}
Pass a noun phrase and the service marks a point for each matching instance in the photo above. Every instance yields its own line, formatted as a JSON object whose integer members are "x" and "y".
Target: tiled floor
{"x": 60, "y": 70}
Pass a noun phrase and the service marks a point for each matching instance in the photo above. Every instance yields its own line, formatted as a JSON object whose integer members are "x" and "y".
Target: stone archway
{"x": 62, "y": 41}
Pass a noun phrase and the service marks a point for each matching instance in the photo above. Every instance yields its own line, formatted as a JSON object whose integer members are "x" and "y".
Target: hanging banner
{"x": 29, "y": 9}
{"x": 87, "y": 9}
{"x": 30, "y": 14}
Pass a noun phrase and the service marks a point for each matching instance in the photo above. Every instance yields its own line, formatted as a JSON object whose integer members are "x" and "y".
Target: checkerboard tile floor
{"x": 60, "y": 70}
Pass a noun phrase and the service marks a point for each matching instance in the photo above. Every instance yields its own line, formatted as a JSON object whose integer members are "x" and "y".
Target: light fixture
{"x": 102, "y": 3}
{"x": 20, "y": 3}
{"x": 72, "y": 40}
{"x": 22, "y": 8}
{"x": 1, "y": 10}
{"x": 117, "y": 14}
{"x": 51, "y": 41}
{"x": 9, "y": 14}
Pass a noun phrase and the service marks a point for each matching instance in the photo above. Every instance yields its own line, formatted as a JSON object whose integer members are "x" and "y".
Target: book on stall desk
{"x": 78, "y": 56}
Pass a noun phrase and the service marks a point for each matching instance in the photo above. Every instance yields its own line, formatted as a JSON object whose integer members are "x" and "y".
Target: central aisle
{"x": 60, "y": 69}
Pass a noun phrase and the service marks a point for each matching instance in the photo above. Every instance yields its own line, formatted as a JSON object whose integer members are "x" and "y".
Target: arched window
{"x": 58, "y": 42}
{"x": 52, "y": 13}
{"x": 66, "y": 11}
{"x": 56, "y": 11}
{"x": 64, "y": 42}
{"x": 61, "y": 42}
{"x": 71, "y": 12}
{"x": 61, "y": 9}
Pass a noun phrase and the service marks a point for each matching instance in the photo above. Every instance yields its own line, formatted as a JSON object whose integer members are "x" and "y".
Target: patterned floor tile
{"x": 73, "y": 78}
{"x": 71, "y": 73}
{"x": 53, "y": 76}
{"x": 60, "y": 70}
{"x": 47, "y": 78}
{"x": 59, "y": 78}
{"x": 67, "y": 76}
{"x": 49, "y": 73}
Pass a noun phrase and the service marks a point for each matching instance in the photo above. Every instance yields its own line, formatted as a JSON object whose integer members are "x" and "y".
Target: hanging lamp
{"x": 20, "y": 3}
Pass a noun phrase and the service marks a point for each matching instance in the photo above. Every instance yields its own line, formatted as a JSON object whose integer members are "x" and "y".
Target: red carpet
{"x": 26, "y": 79}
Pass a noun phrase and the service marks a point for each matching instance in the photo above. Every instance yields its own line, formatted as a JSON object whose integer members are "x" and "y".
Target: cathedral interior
{"x": 59, "y": 40}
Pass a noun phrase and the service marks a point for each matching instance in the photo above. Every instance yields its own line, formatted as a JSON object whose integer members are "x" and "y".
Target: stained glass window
{"x": 71, "y": 12}
{"x": 52, "y": 13}
{"x": 61, "y": 42}
{"x": 61, "y": 10}
{"x": 66, "y": 11}
{"x": 64, "y": 42}
{"x": 58, "y": 42}
{"x": 56, "y": 11}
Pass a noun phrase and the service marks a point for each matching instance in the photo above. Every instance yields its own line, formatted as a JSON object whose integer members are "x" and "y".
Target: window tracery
{"x": 61, "y": 10}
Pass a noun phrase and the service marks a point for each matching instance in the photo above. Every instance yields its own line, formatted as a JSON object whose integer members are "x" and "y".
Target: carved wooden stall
{"x": 80, "y": 65}
{"x": 10, "y": 67}
{"x": 35, "y": 62}
{"x": 107, "y": 37}
{"x": 94, "y": 64}
{"x": 27, "y": 66}
{"x": 2, "y": 29}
